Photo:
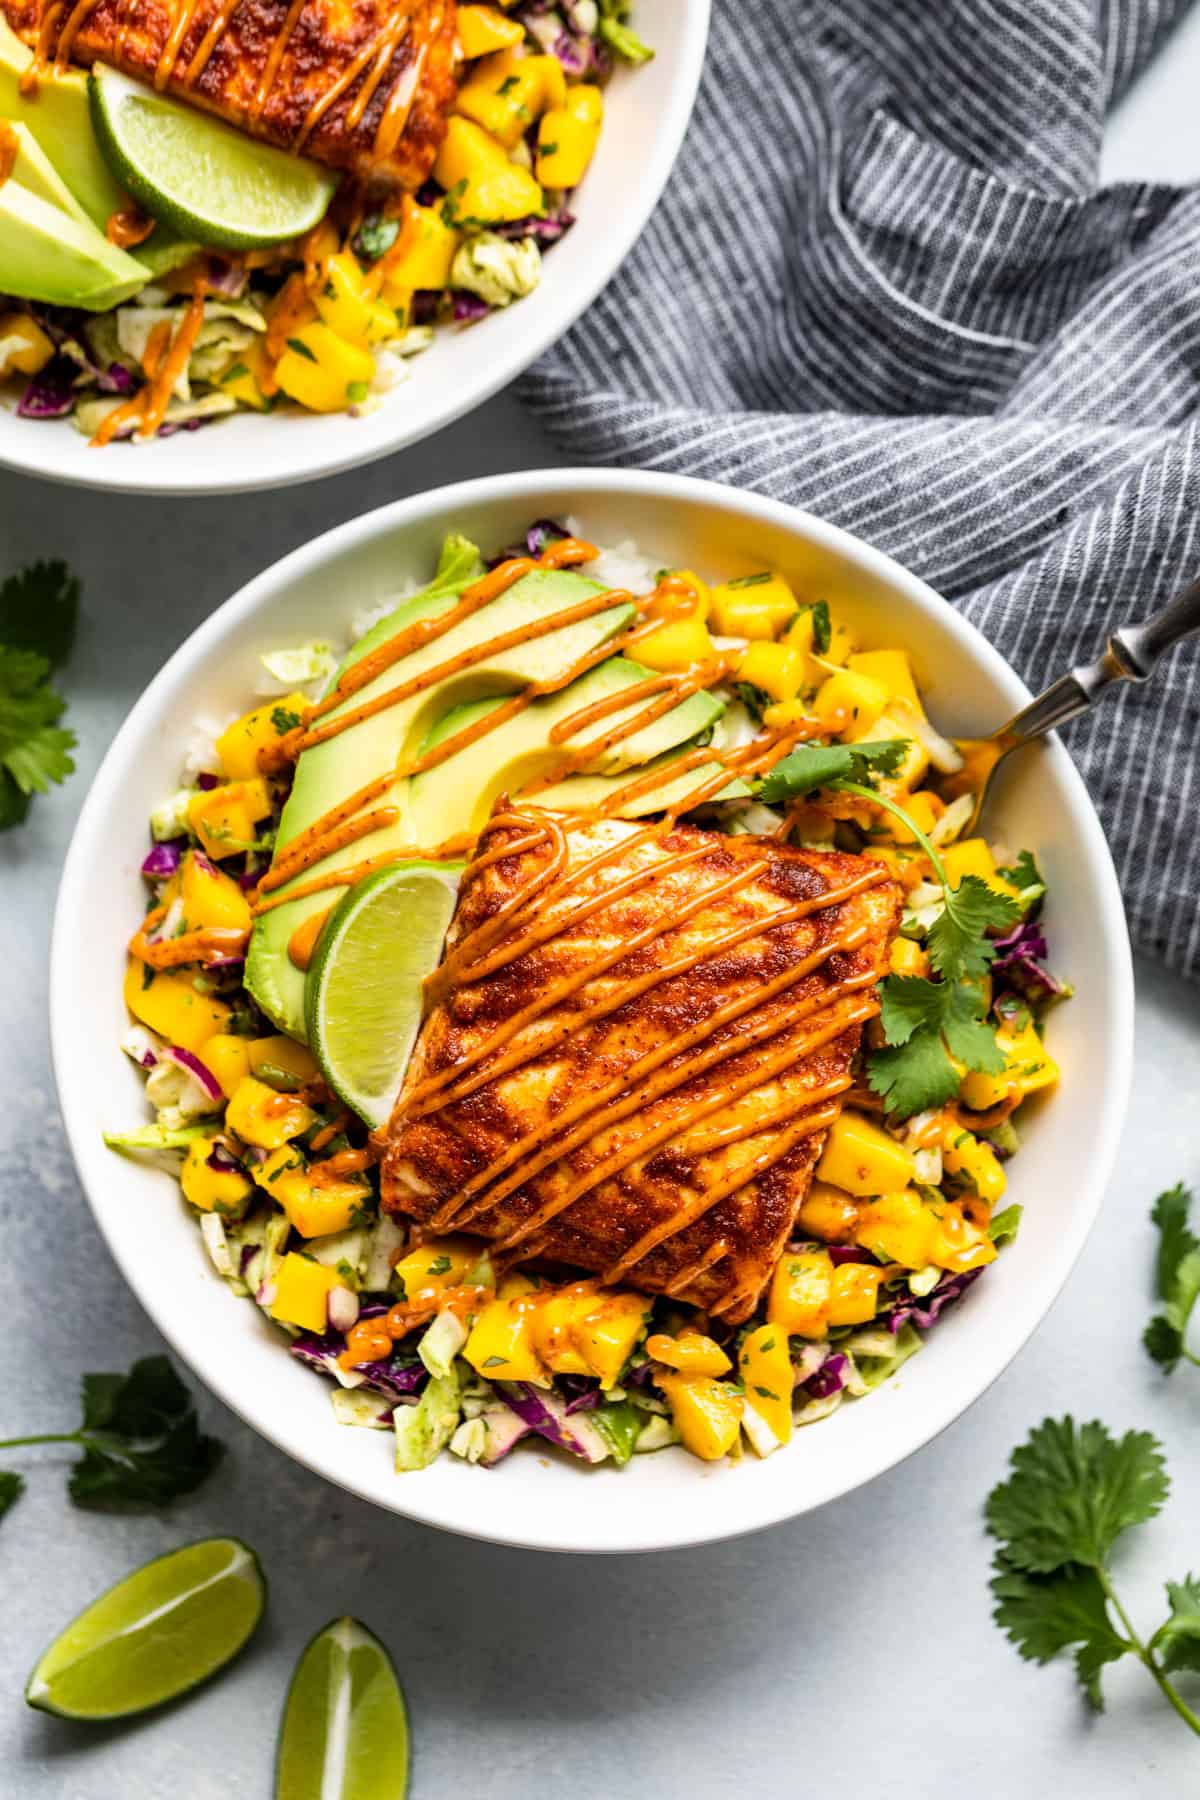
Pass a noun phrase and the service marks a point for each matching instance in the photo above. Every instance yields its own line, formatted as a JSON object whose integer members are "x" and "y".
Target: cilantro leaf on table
{"x": 1177, "y": 1278}
{"x": 140, "y": 1437}
{"x": 1073, "y": 1491}
{"x": 11, "y": 1486}
{"x": 39, "y": 610}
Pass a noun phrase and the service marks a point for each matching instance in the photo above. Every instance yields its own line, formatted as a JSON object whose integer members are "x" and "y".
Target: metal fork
{"x": 1131, "y": 654}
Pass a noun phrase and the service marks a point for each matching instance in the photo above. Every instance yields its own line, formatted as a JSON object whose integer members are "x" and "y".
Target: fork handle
{"x": 1131, "y": 654}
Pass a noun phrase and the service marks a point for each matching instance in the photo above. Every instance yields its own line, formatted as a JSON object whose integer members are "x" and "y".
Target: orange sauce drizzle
{"x": 303, "y": 942}
{"x": 150, "y": 403}
{"x": 205, "y": 945}
{"x": 128, "y": 227}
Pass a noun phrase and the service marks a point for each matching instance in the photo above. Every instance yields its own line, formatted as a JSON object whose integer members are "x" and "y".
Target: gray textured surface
{"x": 822, "y": 1656}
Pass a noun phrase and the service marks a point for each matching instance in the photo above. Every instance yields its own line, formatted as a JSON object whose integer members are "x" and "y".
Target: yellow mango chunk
{"x": 302, "y": 1290}
{"x": 608, "y": 1332}
{"x": 507, "y": 93}
{"x": 345, "y": 302}
{"x": 439, "y": 1263}
{"x": 223, "y": 818}
{"x": 223, "y": 1191}
{"x": 677, "y": 645}
{"x": 554, "y": 1321}
{"x": 259, "y": 1115}
{"x": 765, "y": 1365}
{"x": 482, "y": 29}
{"x": 777, "y": 669}
{"x": 784, "y": 713}
{"x": 691, "y": 1353}
{"x": 914, "y": 764}
{"x": 798, "y": 1298}
{"x": 899, "y": 1228}
{"x": 323, "y": 371}
{"x": 923, "y": 808}
{"x": 965, "y": 1154}
{"x": 906, "y": 957}
{"x": 752, "y": 606}
{"x": 481, "y": 183}
{"x": 169, "y": 1004}
{"x": 862, "y": 1158}
{"x": 26, "y": 347}
{"x": 567, "y": 137}
{"x": 211, "y": 899}
{"x": 425, "y": 252}
{"x": 501, "y": 1346}
{"x": 892, "y": 669}
{"x": 960, "y": 1244}
{"x": 228, "y": 1059}
{"x": 828, "y": 1212}
{"x": 973, "y": 856}
{"x": 283, "y": 1054}
{"x": 707, "y": 1414}
{"x": 245, "y": 381}
{"x": 854, "y": 1294}
{"x": 239, "y": 744}
{"x": 1028, "y": 1066}
{"x": 313, "y": 1208}
{"x": 846, "y": 702}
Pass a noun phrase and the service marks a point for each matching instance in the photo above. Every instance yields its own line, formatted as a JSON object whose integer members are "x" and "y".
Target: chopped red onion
{"x": 203, "y": 1076}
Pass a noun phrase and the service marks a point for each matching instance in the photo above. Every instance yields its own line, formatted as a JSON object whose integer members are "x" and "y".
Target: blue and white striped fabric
{"x": 882, "y": 285}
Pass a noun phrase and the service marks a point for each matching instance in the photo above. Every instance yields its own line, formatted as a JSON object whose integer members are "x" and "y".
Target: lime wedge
{"x": 161, "y": 1631}
{"x": 203, "y": 178}
{"x": 345, "y": 1727}
{"x": 363, "y": 994}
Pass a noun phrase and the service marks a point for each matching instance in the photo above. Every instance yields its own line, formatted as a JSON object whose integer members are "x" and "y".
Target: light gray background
{"x": 850, "y": 1648}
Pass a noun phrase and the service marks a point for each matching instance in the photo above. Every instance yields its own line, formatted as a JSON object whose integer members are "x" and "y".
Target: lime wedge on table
{"x": 165, "y": 1628}
{"x": 363, "y": 994}
{"x": 204, "y": 178}
{"x": 345, "y": 1728}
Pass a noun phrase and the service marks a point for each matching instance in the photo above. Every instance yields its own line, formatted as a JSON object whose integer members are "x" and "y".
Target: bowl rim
{"x": 328, "y": 549}
{"x": 130, "y": 472}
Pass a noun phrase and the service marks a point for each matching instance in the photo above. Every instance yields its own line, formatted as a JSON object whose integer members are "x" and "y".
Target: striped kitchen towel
{"x": 883, "y": 285}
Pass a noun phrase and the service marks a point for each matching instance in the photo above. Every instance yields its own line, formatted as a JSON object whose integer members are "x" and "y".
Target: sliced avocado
{"x": 330, "y": 773}
{"x": 33, "y": 170}
{"x": 458, "y": 794}
{"x": 47, "y": 254}
{"x": 165, "y": 250}
{"x": 56, "y": 112}
{"x": 580, "y": 793}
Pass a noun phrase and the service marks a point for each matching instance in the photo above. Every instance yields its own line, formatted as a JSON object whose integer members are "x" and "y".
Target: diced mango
{"x": 24, "y": 347}
{"x": 282, "y": 1055}
{"x": 302, "y": 1290}
{"x": 701, "y": 598}
{"x": 707, "y": 1414}
{"x": 827, "y": 1212}
{"x": 892, "y": 669}
{"x": 482, "y": 29}
{"x": 322, "y": 371}
{"x": 846, "y": 702}
{"x": 676, "y": 645}
{"x": 223, "y": 1191}
{"x": 259, "y": 1115}
{"x": 965, "y": 1154}
{"x": 914, "y": 764}
{"x": 1027, "y": 1067}
{"x": 777, "y": 669}
{"x": 169, "y": 1004}
{"x": 899, "y": 1228}
{"x": 854, "y": 1295}
{"x": 425, "y": 252}
{"x": 567, "y": 137}
{"x": 239, "y": 744}
{"x": 346, "y": 303}
{"x": 314, "y": 1209}
{"x": 227, "y": 1058}
{"x": 210, "y": 898}
{"x": 224, "y": 817}
{"x": 973, "y": 856}
{"x": 765, "y": 1365}
{"x": 439, "y": 1263}
{"x": 608, "y": 1332}
{"x": 752, "y": 606}
{"x": 248, "y": 381}
{"x": 481, "y": 184}
{"x": 508, "y": 92}
{"x": 784, "y": 713}
{"x": 862, "y": 1158}
{"x": 923, "y": 808}
{"x": 906, "y": 957}
{"x": 553, "y": 1327}
{"x": 691, "y": 1353}
{"x": 798, "y": 1298}
{"x": 501, "y": 1345}
{"x": 960, "y": 1244}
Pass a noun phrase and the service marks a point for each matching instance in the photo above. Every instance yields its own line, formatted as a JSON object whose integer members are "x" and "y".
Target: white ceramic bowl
{"x": 668, "y": 1498}
{"x": 647, "y": 110}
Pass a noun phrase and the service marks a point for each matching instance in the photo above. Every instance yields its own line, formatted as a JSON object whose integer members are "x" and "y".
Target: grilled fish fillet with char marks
{"x": 669, "y": 1167}
{"x": 270, "y": 66}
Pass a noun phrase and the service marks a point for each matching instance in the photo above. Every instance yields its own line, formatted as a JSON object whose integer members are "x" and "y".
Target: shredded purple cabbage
{"x": 468, "y": 307}
{"x": 850, "y": 1253}
{"x": 1019, "y": 964}
{"x": 582, "y": 1392}
{"x": 927, "y": 1311}
{"x": 830, "y": 1378}
{"x": 220, "y": 1159}
{"x": 548, "y": 1416}
{"x": 394, "y": 1377}
{"x": 547, "y": 230}
{"x": 50, "y": 393}
{"x": 163, "y": 860}
{"x": 226, "y": 278}
{"x": 206, "y": 781}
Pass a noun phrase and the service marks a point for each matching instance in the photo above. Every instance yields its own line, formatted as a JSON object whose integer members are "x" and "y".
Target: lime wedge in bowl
{"x": 207, "y": 180}
{"x": 345, "y": 1727}
{"x": 164, "y": 1629}
{"x": 363, "y": 996}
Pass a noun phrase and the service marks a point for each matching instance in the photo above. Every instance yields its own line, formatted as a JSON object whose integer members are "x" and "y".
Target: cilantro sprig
{"x": 1073, "y": 1491}
{"x": 926, "y": 1023}
{"x": 1177, "y": 1278}
{"x": 39, "y": 610}
{"x": 140, "y": 1437}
